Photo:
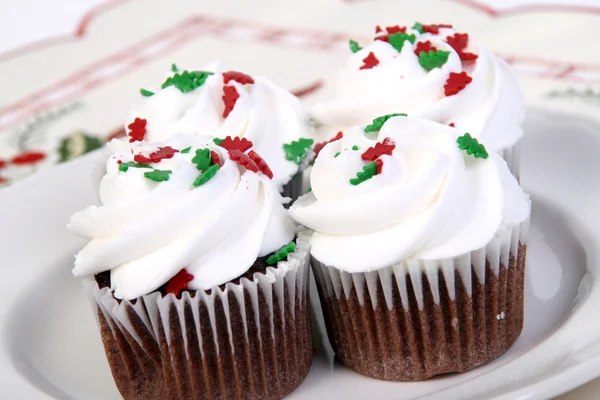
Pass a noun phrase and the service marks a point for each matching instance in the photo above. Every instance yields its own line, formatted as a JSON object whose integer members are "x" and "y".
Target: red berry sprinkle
{"x": 237, "y": 76}
{"x": 395, "y": 29}
{"x": 215, "y": 158}
{"x": 456, "y": 82}
{"x": 319, "y": 146}
{"x": 261, "y": 163}
{"x": 243, "y": 160}
{"x": 179, "y": 282}
{"x": 230, "y": 97}
{"x": 163, "y": 153}
{"x": 2, "y": 163}
{"x": 451, "y": 124}
{"x": 380, "y": 148}
{"x": 424, "y": 46}
{"x": 137, "y": 130}
{"x": 370, "y": 61}
{"x": 435, "y": 28}
{"x": 236, "y": 143}
{"x": 379, "y": 164}
{"x": 31, "y": 157}
{"x": 378, "y": 29}
{"x": 142, "y": 159}
{"x": 459, "y": 43}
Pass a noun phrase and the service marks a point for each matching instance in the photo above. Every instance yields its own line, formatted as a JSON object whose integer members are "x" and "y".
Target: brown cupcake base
{"x": 406, "y": 343}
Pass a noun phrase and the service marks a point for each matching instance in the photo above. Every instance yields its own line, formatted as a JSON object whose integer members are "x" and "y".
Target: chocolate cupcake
{"x": 196, "y": 273}
{"x": 433, "y": 72}
{"x": 418, "y": 250}
{"x": 220, "y": 102}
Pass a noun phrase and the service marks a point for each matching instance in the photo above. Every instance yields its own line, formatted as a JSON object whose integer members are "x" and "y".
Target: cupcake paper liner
{"x": 294, "y": 188}
{"x": 416, "y": 319}
{"x": 248, "y": 340}
{"x": 512, "y": 156}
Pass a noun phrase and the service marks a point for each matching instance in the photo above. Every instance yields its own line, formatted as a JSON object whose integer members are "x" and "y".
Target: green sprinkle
{"x": 355, "y": 147}
{"x": 418, "y": 27}
{"x": 202, "y": 159}
{"x": 309, "y": 189}
{"x": 472, "y": 146}
{"x": 174, "y": 68}
{"x": 206, "y": 175}
{"x": 397, "y": 40}
{"x": 158, "y": 175}
{"x": 369, "y": 171}
{"x": 146, "y": 93}
{"x": 354, "y": 46}
{"x": 297, "y": 151}
{"x": 433, "y": 59}
{"x": 186, "y": 150}
{"x": 123, "y": 167}
{"x": 282, "y": 253}
{"x": 336, "y": 154}
{"x": 379, "y": 121}
{"x": 187, "y": 81}
{"x": 218, "y": 141}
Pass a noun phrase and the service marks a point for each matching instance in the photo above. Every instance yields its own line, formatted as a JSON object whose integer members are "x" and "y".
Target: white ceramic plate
{"x": 50, "y": 347}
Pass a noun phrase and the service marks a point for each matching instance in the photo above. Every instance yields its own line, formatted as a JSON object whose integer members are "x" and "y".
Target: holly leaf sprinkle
{"x": 378, "y": 122}
{"x": 179, "y": 282}
{"x": 456, "y": 82}
{"x": 202, "y": 159}
{"x": 243, "y": 159}
{"x": 354, "y": 46}
{"x": 236, "y": 143}
{"x": 230, "y": 97}
{"x": 186, "y": 150}
{"x": 281, "y": 254}
{"x": 472, "y": 146}
{"x": 124, "y": 167}
{"x": 433, "y": 59}
{"x": 206, "y": 175}
{"x": 146, "y": 93}
{"x": 355, "y": 147}
{"x": 370, "y": 61}
{"x": 369, "y": 171}
{"x": 319, "y": 146}
{"x": 397, "y": 40}
{"x": 158, "y": 175}
{"x": 237, "y": 76}
{"x": 336, "y": 154}
{"x": 418, "y": 27}
{"x": 261, "y": 163}
{"x": 297, "y": 150}
{"x": 187, "y": 81}
{"x": 380, "y": 148}
{"x": 137, "y": 130}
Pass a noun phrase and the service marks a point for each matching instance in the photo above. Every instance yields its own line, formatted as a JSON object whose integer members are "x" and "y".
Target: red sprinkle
{"x": 163, "y": 153}
{"x": 459, "y": 43}
{"x": 424, "y": 46}
{"x": 3, "y": 180}
{"x": 383, "y": 38}
{"x": 31, "y": 157}
{"x": 319, "y": 146}
{"x": 379, "y": 164}
{"x": 456, "y": 82}
{"x": 243, "y": 160}
{"x": 236, "y": 143}
{"x": 435, "y": 28}
{"x": 378, "y": 29}
{"x": 2, "y": 163}
{"x": 370, "y": 61}
{"x": 179, "y": 282}
{"x": 119, "y": 161}
{"x": 373, "y": 153}
{"x": 395, "y": 29}
{"x": 215, "y": 158}
{"x": 142, "y": 159}
{"x": 261, "y": 163}
{"x": 116, "y": 134}
{"x": 137, "y": 130}
{"x": 451, "y": 124}
{"x": 230, "y": 97}
{"x": 237, "y": 76}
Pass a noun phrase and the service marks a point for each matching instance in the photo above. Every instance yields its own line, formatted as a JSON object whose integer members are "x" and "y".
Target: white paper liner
{"x": 512, "y": 156}
{"x": 153, "y": 309}
{"x": 505, "y": 243}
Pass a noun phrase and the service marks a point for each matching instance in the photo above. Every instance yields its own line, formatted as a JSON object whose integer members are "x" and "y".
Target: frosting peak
{"x": 182, "y": 203}
{"x": 409, "y": 190}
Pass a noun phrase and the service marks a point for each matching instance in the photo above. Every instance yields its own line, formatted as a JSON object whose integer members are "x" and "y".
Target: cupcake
{"x": 432, "y": 72}
{"x": 220, "y": 102}
{"x": 418, "y": 250}
{"x": 196, "y": 272}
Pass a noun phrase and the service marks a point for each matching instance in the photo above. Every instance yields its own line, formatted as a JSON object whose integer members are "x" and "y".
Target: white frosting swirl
{"x": 145, "y": 232}
{"x": 264, "y": 113}
{"x": 491, "y": 107}
{"x": 431, "y": 200}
